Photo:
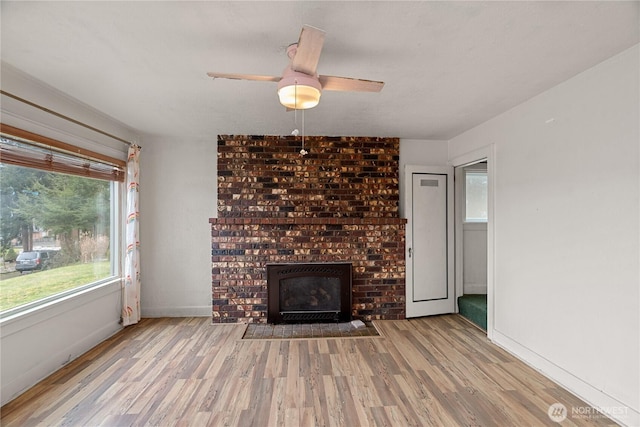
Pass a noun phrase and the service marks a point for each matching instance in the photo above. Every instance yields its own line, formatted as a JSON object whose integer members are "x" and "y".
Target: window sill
{"x": 14, "y": 320}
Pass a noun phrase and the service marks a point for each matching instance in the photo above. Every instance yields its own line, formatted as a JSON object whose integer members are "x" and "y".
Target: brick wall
{"x": 338, "y": 203}
{"x": 262, "y": 176}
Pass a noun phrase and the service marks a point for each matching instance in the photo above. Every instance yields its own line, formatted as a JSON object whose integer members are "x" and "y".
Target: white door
{"x": 430, "y": 251}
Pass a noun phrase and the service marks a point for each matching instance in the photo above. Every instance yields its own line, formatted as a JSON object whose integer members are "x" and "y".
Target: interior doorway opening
{"x": 472, "y": 218}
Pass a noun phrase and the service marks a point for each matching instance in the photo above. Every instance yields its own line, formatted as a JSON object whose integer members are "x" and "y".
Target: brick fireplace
{"x": 339, "y": 203}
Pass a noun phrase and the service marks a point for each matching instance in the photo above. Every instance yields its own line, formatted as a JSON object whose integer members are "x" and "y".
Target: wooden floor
{"x": 436, "y": 371}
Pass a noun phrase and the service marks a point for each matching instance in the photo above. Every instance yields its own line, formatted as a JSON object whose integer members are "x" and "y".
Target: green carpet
{"x": 474, "y": 308}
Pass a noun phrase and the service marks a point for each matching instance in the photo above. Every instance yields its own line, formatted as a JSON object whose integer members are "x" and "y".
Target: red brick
{"x": 338, "y": 204}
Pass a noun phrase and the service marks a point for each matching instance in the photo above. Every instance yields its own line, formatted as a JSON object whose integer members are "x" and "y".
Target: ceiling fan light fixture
{"x": 300, "y": 86}
{"x": 299, "y": 91}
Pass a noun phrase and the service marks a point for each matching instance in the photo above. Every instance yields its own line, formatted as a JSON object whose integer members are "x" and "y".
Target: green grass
{"x": 26, "y": 288}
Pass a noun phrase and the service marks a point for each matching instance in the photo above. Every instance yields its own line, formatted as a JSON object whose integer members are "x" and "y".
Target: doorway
{"x": 471, "y": 192}
{"x": 487, "y": 156}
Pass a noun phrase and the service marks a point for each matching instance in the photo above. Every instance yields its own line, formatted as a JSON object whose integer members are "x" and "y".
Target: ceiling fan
{"x": 300, "y": 86}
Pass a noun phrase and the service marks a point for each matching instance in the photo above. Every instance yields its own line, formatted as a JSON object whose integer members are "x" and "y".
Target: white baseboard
{"x": 618, "y": 411}
{"x": 185, "y": 311}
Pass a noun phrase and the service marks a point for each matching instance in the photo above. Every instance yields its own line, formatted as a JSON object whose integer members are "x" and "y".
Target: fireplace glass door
{"x": 312, "y": 293}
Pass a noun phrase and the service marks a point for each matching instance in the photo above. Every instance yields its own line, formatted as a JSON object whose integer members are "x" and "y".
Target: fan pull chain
{"x": 295, "y": 131}
{"x": 303, "y": 152}
{"x": 295, "y": 109}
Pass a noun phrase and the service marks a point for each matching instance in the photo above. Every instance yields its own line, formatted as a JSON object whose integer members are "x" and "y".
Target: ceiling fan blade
{"x": 244, "y": 77}
{"x": 308, "y": 51}
{"x": 349, "y": 84}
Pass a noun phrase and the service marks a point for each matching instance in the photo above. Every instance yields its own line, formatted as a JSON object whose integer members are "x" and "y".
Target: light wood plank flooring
{"x": 436, "y": 371}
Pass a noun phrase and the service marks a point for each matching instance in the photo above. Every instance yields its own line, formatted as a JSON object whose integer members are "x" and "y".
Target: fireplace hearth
{"x": 309, "y": 292}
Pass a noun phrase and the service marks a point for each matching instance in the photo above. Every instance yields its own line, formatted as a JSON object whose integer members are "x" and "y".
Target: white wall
{"x": 567, "y": 232}
{"x": 21, "y": 115}
{"x": 36, "y": 343}
{"x": 178, "y": 195}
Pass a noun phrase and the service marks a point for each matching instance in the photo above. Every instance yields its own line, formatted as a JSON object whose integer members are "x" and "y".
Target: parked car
{"x": 33, "y": 261}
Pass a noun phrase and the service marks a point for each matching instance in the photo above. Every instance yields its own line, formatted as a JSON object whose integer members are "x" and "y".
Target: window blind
{"x": 22, "y": 148}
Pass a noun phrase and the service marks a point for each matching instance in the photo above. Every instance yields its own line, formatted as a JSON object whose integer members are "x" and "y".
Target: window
{"x": 58, "y": 220}
{"x": 475, "y": 196}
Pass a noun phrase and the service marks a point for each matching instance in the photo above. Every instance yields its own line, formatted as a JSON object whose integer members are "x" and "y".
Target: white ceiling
{"x": 448, "y": 66}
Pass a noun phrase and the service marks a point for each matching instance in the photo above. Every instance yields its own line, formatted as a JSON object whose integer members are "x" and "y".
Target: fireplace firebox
{"x": 309, "y": 292}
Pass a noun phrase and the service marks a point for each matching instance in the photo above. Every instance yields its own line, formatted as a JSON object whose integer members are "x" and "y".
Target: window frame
{"x": 475, "y": 169}
{"x": 117, "y": 207}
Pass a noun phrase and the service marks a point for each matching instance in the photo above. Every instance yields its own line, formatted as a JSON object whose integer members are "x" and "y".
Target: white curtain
{"x": 131, "y": 281}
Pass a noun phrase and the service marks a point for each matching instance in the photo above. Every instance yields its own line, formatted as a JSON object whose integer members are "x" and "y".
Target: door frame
{"x": 485, "y": 153}
{"x": 461, "y": 226}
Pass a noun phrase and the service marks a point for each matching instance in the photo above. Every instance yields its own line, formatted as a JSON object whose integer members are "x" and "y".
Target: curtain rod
{"x": 62, "y": 116}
